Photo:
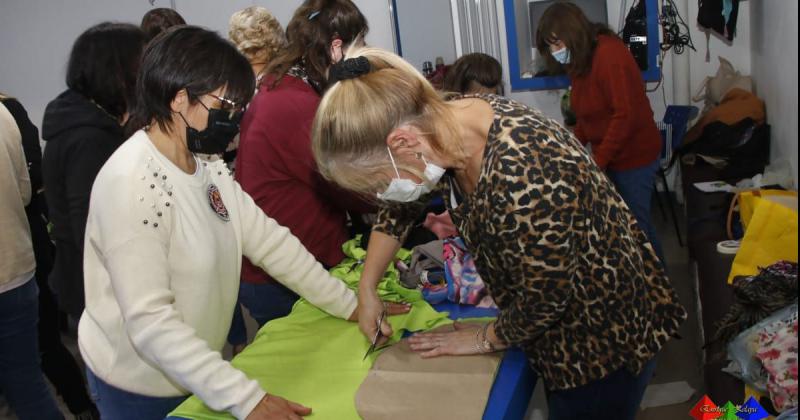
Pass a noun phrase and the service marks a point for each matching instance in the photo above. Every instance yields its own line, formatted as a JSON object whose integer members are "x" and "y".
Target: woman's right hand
{"x": 370, "y": 307}
{"x": 273, "y": 407}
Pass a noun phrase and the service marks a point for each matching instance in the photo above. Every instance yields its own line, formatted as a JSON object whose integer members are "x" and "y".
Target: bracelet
{"x": 487, "y": 345}
{"x": 478, "y": 345}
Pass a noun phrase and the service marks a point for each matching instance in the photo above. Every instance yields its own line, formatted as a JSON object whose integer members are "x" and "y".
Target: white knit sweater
{"x": 162, "y": 267}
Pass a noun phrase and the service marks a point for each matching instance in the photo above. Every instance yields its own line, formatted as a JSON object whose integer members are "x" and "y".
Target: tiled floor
{"x": 679, "y": 361}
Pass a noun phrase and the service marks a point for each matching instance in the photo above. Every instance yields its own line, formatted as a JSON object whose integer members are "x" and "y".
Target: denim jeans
{"x": 636, "y": 186}
{"x": 116, "y": 404}
{"x": 265, "y": 303}
{"x": 21, "y": 378}
{"x": 615, "y": 397}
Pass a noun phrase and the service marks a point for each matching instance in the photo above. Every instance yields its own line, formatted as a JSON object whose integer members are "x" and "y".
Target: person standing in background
{"x": 159, "y": 20}
{"x": 475, "y": 73}
{"x": 58, "y": 364}
{"x": 611, "y": 107}
{"x": 260, "y": 38}
{"x": 21, "y": 379}
{"x": 83, "y": 126}
{"x": 275, "y": 164}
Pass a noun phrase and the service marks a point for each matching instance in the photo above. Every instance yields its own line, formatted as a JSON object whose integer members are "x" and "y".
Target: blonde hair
{"x": 257, "y": 34}
{"x": 356, "y": 116}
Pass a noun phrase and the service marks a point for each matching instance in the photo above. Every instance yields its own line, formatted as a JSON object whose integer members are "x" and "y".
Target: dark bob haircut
{"x": 315, "y": 24}
{"x": 191, "y": 58}
{"x": 479, "y": 68}
{"x": 103, "y": 65}
{"x": 566, "y": 22}
{"x": 159, "y": 20}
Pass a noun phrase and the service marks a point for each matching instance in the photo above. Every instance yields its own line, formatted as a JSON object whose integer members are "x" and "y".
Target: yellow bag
{"x": 748, "y": 201}
{"x": 770, "y": 220}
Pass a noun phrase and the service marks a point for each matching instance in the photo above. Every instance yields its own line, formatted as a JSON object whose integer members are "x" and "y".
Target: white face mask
{"x": 562, "y": 55}
{"x": 406, "y": 190}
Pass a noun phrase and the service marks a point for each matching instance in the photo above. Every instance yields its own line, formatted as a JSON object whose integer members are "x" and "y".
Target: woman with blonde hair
{"x": 258, "y": 36}
{"x": 578, "y": 284}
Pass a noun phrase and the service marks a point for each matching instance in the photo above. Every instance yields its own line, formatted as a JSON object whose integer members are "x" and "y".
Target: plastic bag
{"x": 742, "y": 350}
{"x": 770, "y": 220}
{"x": 788, "y": 415}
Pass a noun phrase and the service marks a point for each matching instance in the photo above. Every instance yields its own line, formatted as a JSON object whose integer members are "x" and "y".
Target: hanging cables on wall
{"x": 675, "y": 30}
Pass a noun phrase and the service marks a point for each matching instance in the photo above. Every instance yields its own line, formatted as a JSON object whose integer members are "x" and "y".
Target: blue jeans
{"x": 636, "y": 186}
{"x": 615, "y": 397}
{"x": 265, "y": 303}
{"x": 116, "y": 404}
{"x": 21, "y": 378}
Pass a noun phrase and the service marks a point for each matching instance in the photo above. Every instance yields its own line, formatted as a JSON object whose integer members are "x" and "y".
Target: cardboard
{"x": 402, "y": 385}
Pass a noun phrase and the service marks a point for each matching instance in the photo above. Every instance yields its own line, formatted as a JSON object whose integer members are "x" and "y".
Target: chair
{"x": 673, "y": 128}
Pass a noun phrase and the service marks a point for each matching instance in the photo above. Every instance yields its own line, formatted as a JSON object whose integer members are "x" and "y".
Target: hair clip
{"x": 349, "y": 69}
{"x": 312, "y": 15}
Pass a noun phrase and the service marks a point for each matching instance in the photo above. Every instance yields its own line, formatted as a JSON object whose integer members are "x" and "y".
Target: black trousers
{"x": 58, "y": 364}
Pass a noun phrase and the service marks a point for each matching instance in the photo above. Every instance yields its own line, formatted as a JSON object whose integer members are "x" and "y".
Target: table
{"x": 515, "y": 380}
{"x": 706, "y": 215}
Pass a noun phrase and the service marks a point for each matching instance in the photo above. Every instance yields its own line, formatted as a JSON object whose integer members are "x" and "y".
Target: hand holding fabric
{"x": 273, "y": 407}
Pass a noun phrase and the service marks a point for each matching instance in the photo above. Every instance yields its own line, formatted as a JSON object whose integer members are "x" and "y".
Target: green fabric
{"x": 315, "y": 359}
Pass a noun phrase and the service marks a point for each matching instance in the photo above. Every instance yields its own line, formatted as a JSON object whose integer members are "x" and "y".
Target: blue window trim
{"x": 399, "y": 45}
{"x": 518, "y": 83}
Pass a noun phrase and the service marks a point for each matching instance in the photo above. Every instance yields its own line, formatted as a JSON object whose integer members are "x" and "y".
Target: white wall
{"x": 36, "y": 35}
{"x": 426, "y": 31}
{"x": 774, "y": 65}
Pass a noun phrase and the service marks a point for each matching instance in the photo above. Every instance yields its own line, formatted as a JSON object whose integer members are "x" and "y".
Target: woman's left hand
{"x": 462, "y": 341}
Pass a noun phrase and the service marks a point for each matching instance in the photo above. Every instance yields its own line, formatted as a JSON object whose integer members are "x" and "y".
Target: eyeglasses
{"x": 226, "y": 104}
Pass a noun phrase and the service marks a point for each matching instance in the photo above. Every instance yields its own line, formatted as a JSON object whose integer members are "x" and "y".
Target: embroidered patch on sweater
{"x": 215, "y": 201}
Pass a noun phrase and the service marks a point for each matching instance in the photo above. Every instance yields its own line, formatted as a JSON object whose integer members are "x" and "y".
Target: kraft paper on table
{"x": 401, "y": 385}
{"x": 315, "y": 359}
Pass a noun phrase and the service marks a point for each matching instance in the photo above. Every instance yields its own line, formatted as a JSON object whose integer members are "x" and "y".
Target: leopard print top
{"x": 578, "y": 285}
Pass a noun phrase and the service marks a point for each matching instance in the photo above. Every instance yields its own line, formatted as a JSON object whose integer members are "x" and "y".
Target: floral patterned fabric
{"x": 778, "y": 354}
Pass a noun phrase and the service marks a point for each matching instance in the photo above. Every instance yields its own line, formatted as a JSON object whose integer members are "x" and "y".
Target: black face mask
{"x": 223, "y": 126}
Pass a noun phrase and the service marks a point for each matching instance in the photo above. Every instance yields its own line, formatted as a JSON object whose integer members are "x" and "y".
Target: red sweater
{"x": 276, "y": 167}
{"x": 612, "y": 109}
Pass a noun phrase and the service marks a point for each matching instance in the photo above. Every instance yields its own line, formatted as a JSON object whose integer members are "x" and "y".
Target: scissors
{"x": 378, "y": 335}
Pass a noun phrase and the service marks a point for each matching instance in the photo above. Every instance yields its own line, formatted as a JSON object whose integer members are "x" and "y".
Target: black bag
{"x": 743, "y": 146}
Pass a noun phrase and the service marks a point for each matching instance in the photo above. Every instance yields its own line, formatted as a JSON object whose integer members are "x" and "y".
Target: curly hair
{"x": 257, "y": 34}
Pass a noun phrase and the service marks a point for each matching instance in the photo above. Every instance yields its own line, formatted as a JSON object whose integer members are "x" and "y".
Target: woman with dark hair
{"x": 275, "y": 165}
{"x": 167, "y": 233}
{"x": 474, "y": 73}
{"x": 82, "y": 128}
{"x": 609, "y": 102}
{"x": 159, "y": 20}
